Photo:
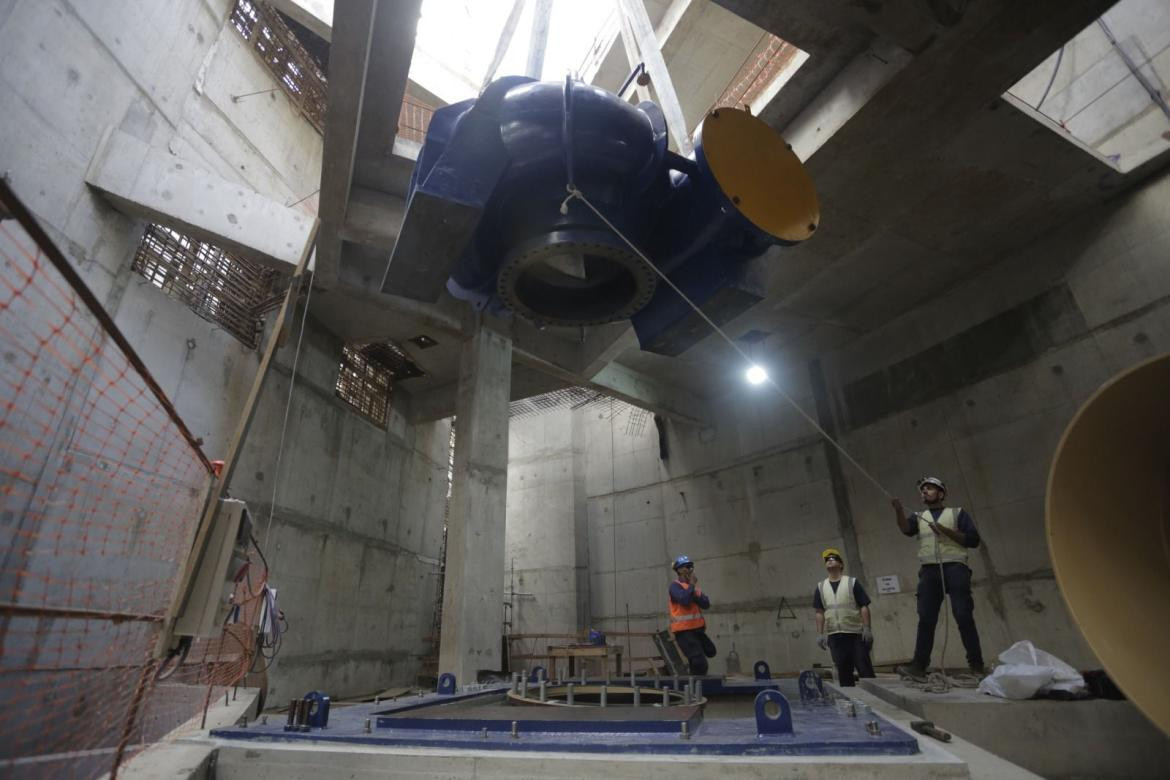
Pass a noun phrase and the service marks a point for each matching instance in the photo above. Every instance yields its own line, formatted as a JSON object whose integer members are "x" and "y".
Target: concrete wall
{"x": 1067, "y": 313}
{"x": 359, "y": 513}
{"x": 355, "y": 533}
{"x": 975, "y": 386}
{"x": 748, "y": 500}
{"x": 547, "y": 547}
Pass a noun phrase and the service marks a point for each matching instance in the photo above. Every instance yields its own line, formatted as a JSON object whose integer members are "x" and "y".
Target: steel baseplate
{"x": 740, "y": 717}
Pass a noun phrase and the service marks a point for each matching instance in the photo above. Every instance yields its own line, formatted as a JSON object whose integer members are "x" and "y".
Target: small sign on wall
{"x": 889, "y": 584}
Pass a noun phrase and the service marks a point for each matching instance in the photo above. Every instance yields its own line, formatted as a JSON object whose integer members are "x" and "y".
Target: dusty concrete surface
{"x": 177, "y": 757}
{"x": 1093, "y": 738}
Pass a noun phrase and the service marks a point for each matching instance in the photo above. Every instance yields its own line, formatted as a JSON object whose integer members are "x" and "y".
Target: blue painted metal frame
{"x": 817, "y": 730}
{"x": 781, "y": 722}
{"x": 318, "y": 709}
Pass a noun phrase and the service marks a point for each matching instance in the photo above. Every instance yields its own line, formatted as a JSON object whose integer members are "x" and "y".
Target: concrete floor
{"x": 1066, "y": 739}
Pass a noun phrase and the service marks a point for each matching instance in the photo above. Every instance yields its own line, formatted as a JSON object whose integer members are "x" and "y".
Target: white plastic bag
{"x": 1028, "y": 671}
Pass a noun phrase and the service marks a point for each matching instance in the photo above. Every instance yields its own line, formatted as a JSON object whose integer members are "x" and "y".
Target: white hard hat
{"x": 938, "y": 483}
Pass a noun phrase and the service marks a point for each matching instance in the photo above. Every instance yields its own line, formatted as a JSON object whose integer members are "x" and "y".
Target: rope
{"x": 577, "y": 194}
{"x": 938, "y": 682}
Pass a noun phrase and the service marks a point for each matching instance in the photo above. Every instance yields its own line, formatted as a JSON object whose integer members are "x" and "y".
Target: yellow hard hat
{"x": 832, "y": 551}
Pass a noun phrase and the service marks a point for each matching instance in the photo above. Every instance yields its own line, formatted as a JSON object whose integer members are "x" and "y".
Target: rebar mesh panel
{"x": 566, "y": 397}
{"x": 285, "y": 57}
{"x": 219, "y": 286}
{"x": 364, "y": 384}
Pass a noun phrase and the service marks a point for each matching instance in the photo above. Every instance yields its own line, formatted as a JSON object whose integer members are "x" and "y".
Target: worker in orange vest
{"x": 687, "y": 603}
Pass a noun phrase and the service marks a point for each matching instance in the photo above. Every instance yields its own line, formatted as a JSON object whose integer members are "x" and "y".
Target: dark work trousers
{"x": 930, "y": 599}
{"x": 849, "y": 653}
{"x": 697, "y": 647}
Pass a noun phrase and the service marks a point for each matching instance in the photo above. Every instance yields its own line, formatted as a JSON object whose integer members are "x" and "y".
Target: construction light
{"x": 756, "y": 375}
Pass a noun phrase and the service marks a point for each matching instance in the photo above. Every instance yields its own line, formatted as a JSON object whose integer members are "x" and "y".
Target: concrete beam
{"x": 378, "y": 165}
{"x": 148, "y": 183}
{"x": 844, "y": 96}
{"x": 631, "y": 48}
{"x": 634, "y": 388}
{"x": 651, "y": 53}
{"x": 437, "y": 403}
{"x": 644, "y": 391}
{"x": 539, "y": 40}
{"x": 503, "y": 42}
{"x": 373, "y": 218}
{"x": 605, "y": 344}
{"x": 353, "y": 25}
{"x": 369, "y": 60}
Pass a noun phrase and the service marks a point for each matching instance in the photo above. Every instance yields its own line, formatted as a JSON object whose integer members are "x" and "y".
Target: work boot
{"x": 912, "y": 671}
{"x": 979, "y": 670}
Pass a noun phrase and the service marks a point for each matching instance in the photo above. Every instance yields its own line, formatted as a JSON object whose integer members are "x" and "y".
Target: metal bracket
{"x": 763, "y": 671}
{"x": 773, "y": 713}
{"x": 446, "y": 684}
{"x": 812, "y": 688}
{"x": 317, "y": 706}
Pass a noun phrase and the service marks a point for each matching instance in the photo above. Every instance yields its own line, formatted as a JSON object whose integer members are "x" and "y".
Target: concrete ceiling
{"x": 930, "y": 180}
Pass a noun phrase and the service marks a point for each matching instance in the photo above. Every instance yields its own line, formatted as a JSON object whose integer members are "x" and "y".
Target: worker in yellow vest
{"x": 843, "y": 626}
{"x": 687, "y": 603}
{"x": 945, "y": 534}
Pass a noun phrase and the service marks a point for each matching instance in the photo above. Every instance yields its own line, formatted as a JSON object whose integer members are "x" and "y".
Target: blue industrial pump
{"x": 487, "y": 216}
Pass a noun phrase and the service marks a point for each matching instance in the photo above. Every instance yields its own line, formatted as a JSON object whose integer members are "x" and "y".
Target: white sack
{"x": 1026, "y": 671}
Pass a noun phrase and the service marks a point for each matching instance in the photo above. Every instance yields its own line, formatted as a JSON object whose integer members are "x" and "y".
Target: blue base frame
{"x": 819, "y": 729}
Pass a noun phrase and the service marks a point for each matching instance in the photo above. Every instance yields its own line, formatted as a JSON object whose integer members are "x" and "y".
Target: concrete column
{"x": 581, "y": 520}
{"x": 473, "y": 585}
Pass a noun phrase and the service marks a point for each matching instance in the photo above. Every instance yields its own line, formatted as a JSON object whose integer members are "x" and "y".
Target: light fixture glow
{"x": 756, "y": 375}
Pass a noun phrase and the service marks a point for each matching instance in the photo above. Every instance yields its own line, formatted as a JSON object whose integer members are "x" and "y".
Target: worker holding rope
{"x": 945, "y": 534}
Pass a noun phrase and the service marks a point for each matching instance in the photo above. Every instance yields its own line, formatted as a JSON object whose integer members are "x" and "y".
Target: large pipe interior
{"x": 1108, "y": 525}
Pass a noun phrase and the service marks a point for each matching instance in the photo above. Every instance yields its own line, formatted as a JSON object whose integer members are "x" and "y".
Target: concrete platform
{"x": 198, "y": 755}
{"x": 1056, "y": 739}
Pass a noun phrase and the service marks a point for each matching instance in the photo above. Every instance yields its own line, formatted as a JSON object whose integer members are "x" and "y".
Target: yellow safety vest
{"x": 842, "y": 615}
{"x": 948, "y": 549}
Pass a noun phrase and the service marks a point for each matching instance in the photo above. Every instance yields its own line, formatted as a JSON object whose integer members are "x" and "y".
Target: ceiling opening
{"x": 1105, "y": 89}
{"x": 457, "y": 40}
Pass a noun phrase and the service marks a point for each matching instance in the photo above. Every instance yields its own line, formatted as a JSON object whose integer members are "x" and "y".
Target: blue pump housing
{"x": 487, "y": 220}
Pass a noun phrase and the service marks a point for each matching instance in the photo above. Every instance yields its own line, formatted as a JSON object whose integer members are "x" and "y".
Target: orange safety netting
{"x": 101, "y": 489}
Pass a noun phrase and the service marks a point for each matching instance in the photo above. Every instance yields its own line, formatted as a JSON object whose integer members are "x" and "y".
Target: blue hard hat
{"x": 682, "y": 560}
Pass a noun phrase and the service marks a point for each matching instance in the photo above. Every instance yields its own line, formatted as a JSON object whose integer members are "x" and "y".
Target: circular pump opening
{"x": 572, "y": 282}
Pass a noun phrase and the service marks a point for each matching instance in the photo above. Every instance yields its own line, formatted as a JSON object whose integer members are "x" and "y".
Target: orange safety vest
{"x": 685, "y": 618}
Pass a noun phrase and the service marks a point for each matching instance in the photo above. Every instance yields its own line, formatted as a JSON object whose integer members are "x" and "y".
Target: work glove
{"x": 823, "y": 642}
{"x": 867, "y": 637}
